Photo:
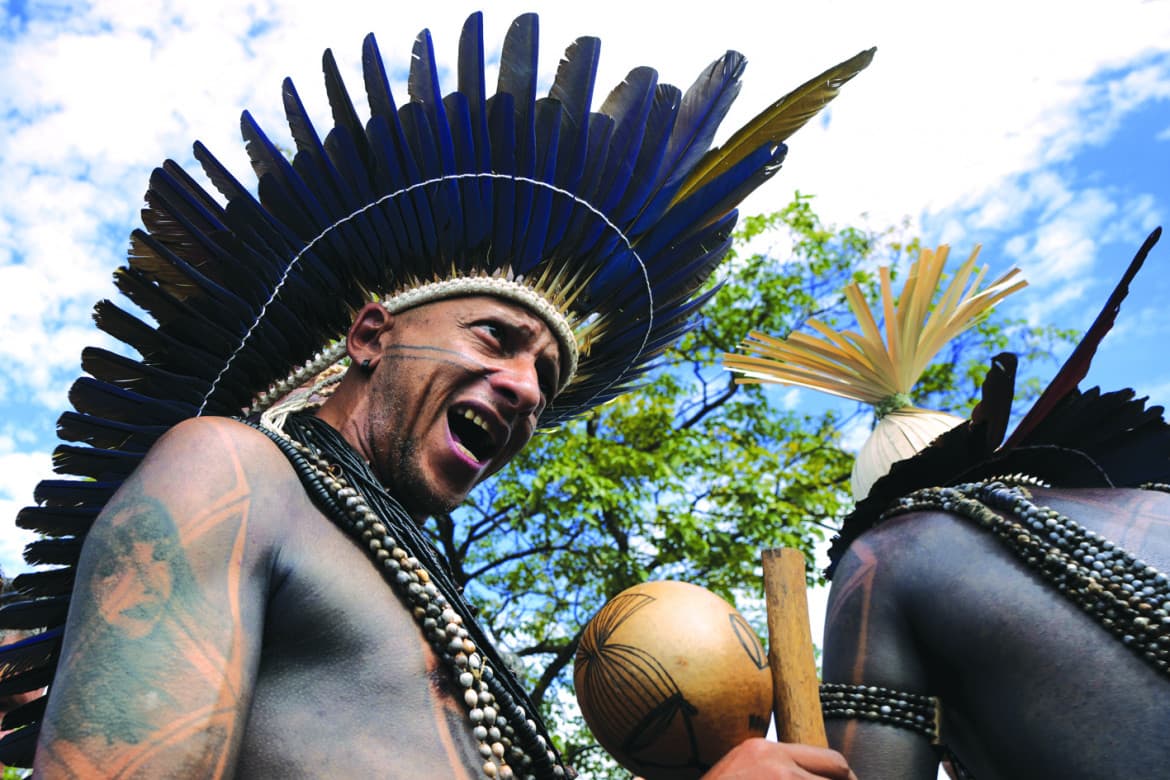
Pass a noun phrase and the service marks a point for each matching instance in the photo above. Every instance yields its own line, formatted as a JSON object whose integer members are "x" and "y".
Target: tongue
{"x": 465, "y": 452}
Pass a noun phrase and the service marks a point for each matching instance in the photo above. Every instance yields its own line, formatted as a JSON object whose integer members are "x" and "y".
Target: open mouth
{"x": 472, "y": 434}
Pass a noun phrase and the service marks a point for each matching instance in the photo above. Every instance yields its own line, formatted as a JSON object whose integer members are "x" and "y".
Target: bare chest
{"x": 346, "y": 686}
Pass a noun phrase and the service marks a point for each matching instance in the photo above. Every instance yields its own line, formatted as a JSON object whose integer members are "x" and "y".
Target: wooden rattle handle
{"x": 795, "y": 687}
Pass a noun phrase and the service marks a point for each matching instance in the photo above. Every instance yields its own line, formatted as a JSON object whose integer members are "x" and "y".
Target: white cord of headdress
{"x": 446, "y": 177}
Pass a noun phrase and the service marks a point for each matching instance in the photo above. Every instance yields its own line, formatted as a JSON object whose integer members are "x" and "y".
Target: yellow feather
{"x": 777, "y": 122}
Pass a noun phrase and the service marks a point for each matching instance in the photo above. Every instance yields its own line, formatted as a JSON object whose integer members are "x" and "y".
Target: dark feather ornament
{"x": 606, "y": 222}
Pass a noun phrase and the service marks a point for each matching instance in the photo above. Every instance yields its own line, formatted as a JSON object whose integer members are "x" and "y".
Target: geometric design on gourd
{"x": 632, "y": 694}
{"x": 748, "y": 640}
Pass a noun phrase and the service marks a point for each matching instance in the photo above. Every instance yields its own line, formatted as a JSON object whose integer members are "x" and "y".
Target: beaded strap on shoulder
{"x": 1127, "y": 597}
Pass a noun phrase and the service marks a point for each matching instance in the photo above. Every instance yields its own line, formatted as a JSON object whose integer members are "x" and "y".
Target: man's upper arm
{"x": 868, "y": 641}
{"x": 163, "y": 634}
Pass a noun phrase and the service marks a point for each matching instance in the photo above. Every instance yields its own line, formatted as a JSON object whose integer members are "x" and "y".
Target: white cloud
{"x": 19, "y": 474}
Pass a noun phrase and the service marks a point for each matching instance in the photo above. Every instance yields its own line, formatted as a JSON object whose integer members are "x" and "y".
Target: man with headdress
{"x": 1001, "y": 605}
{"x": 256, "y": 596}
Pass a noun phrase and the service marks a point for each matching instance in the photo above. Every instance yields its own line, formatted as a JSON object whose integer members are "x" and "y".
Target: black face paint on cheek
{"x": 454, "y": 358}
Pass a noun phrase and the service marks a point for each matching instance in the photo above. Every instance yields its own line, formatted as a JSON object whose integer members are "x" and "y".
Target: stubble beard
{"x": 406, "y": 481}
{"x": 410, "y": 487}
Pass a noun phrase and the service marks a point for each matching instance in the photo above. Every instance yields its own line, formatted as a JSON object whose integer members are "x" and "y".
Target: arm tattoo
{"x": 156, "y": 653}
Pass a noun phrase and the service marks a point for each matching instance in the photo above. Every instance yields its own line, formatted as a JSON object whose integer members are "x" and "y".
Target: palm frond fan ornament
{"x": 882, "y": 372}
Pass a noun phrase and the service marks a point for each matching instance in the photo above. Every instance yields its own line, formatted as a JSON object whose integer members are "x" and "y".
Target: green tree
{"x": 693, "y": 475}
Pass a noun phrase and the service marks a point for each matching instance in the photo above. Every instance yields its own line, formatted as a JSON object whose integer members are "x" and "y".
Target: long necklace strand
{"x": 509, "y": 739}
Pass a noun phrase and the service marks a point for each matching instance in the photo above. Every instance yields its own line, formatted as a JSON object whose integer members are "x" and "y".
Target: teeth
{"x": 475, "y": 418}
{"x": 467, "y": 452}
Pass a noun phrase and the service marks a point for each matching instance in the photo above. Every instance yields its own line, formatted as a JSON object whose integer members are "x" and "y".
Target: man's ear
{"x": 366, "y": 340}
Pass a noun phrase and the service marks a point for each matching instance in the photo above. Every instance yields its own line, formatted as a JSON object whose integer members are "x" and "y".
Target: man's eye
{"x": 547, "y": 387}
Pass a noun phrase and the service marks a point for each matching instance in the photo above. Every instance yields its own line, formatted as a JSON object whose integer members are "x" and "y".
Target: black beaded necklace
{"x": 1127, "y": 597}
{"x": 504, "y": 721}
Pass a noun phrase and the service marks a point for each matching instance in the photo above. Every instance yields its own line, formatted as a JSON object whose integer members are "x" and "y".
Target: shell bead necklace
{"x": 508, "y": 739}
{"x": 1123, "y": 594}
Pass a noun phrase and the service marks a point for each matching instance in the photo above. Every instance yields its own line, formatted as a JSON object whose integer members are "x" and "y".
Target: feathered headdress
{"x": 604, "y": 223}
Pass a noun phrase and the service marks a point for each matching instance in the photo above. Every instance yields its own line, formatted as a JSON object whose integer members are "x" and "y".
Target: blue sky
{"x": 1040, "y": 130}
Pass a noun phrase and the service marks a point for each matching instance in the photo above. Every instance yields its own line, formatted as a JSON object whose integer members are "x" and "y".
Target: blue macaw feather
{"x": 57, "y": 521}
{"x": 524, "y": 166}
{"x": 629, "y": 104}
{"x": 142, "y": 378}
{"x": 518, "y": 73}
{"x": 317, "y": 170}
{"x": 152, "y": 344}
{"x": 476, "y": 212}
{"x": 377, "y": 82}
{"x": 53, "y": 552}
{"x": 177, "y": 221}
{"x": 345, "y": 116}
{"x": 376, "y": 233}
{"x": 585, "y": 228}
{"x": 472, "y": 86}
{"x": 95, "y": 463}
{"x": 573, "y": 88}
{"x": 469, "y": 72}
{"x": 103, "y": 399}
{"x": 186, "y": 281}
{"x": 103, "y": 432}
{"x": 73, "y": 492}
{"x": 704, "y": 205}
{"x": 502, "y": 130}
{"x": 152, "y": 254}
{"x": 649, "y": 171}
{"x": 422, "y": 86}
{"x": 704, "y": 105}
{"x": 172, "y": 190}
{"x": 221, "y": 178}
{"x": 424, "y": 89}
{"x": 548, "y": 124}
{"x": 398, "y": 212}
{"x": 433, "y": 211}
{"x": 301, "y": 208}
{"x": 692, "y": 253}
{"x": 244, "y": 213}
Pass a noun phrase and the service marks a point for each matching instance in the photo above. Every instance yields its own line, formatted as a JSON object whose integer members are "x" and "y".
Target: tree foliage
{"x": 693, "y": 475}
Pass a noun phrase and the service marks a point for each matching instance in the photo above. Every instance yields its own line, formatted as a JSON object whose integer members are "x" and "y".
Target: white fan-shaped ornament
{"x": 897, "y": 436}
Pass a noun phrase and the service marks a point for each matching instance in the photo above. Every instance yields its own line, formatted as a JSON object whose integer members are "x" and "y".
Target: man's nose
{"x": 518, "y": 383}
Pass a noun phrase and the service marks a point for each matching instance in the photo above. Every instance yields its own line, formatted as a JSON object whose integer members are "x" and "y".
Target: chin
{"x": 423, "y": 500}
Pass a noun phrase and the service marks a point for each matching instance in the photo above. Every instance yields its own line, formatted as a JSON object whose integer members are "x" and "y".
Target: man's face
{"x": 456, "y": 395}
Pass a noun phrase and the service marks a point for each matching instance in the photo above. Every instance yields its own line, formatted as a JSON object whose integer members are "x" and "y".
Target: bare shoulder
{"x": 208, "y": 438}
{"x": 210, "y": 454}
{"x": 165, "y": 623}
